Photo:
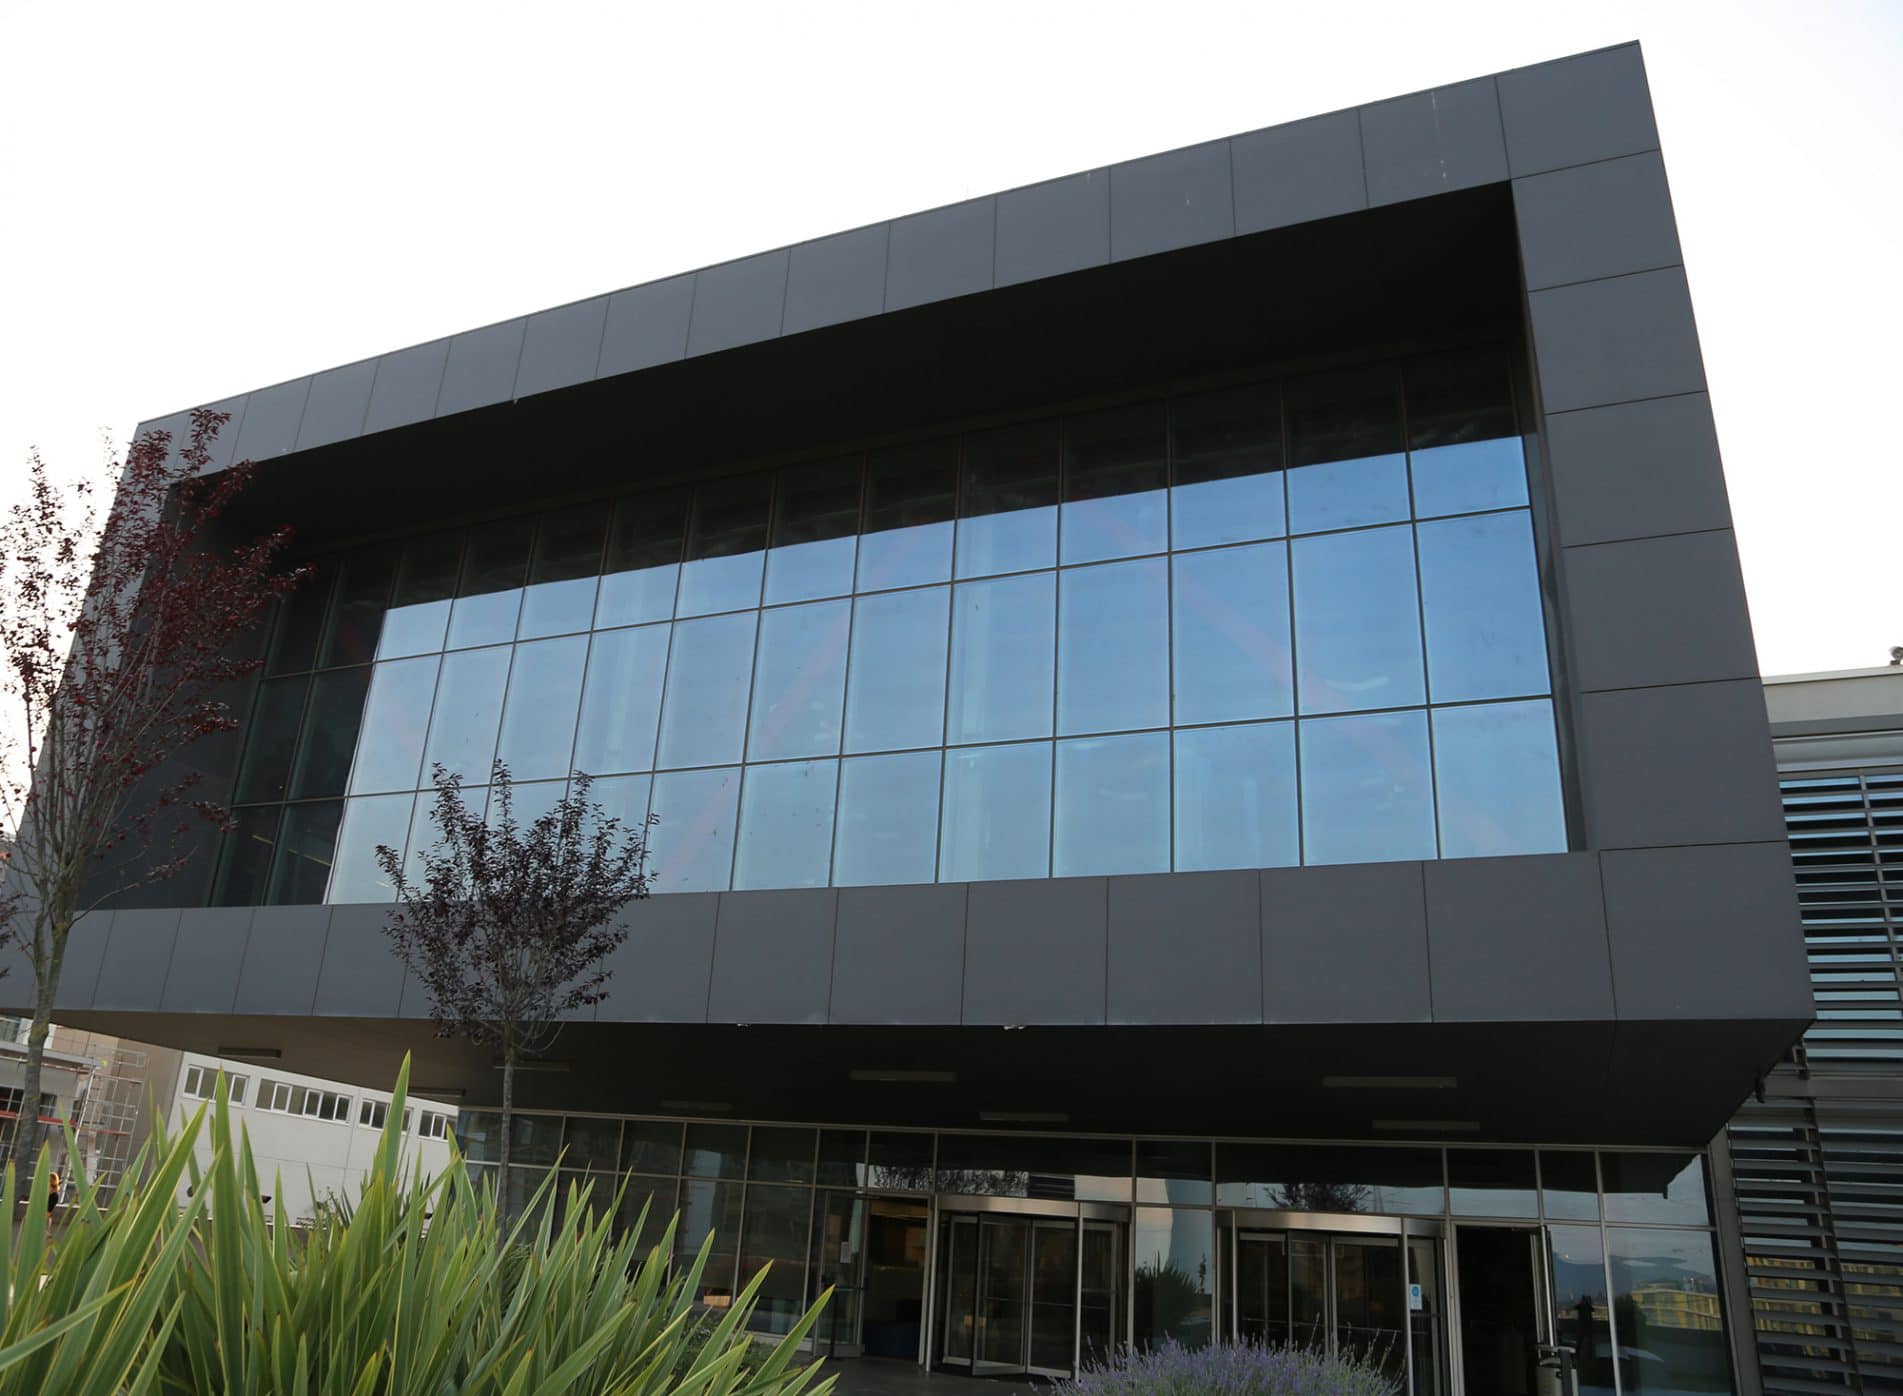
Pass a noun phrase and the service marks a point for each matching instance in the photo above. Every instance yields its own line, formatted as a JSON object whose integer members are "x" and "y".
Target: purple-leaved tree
{"x": 508, "y": 925}
{"x": 119, "y": 640}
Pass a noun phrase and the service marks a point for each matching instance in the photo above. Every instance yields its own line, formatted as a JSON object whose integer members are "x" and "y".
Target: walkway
{"x": 884, "y": 1376}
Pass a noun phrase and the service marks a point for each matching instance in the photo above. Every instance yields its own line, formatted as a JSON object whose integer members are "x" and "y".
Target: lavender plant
{"x": 1229, "y": 1369}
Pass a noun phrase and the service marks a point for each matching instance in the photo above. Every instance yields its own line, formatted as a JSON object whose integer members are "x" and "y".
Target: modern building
{"x": 1211, "y": 768}
{"x": 1816, "y": 1160}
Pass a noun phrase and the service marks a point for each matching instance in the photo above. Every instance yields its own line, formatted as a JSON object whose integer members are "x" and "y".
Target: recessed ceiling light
{"x": 892, "y": 1074}
{"x": 1430, "y": 1126}
{"x": 1023, "y": 1117}
{"x": 1390, "y": 1083}
{"x": 254, "y": 1054}
{"x": 533, "y": 1064}
{"x": 689, "y": 1107}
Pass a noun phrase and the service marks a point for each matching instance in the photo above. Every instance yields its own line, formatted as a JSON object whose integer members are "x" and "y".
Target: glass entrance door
{"x": 1345, "y": 1294}
{"x": 1013, "y": 1301}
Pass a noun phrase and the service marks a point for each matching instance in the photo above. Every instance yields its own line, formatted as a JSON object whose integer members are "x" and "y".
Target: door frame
{"x": 945, "y": 1208}
{"x": 1234, "y": 1222}
{"x": 1543, "y": 1332}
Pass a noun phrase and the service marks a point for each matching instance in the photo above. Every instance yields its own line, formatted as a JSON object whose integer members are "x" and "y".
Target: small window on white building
{"x": 274, "y": 1095}
{"x": 326, "y": 1105}
{"x": 432, "y": 1126}
{"x": 373, "y": 1113}
{"x": 201, "y": 1083}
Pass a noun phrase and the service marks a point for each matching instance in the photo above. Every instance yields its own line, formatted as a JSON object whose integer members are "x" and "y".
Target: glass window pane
{"x": 911, "y": 500}
{"x": 1174, "y": 1252}
{"x": 368, "y": 822}
{"x": 800, "y": 681}
{"x": 842, "y": 1157}
{"x": 786, "y": 825}
{"x": 1569, "y": 1184}
{"x": 888, "y": 820}
{"x": 1480, "y": 594}
{"x": 245, "y": 857}
{"x": 815, "y": 532}
{"x": 1113, "y": 806}
{"x": 1019, "y": 1165}
{"x": 300, "y": 624}
{"x": 528, "y": 802}
{"x": 1001, "y": 659}
{"x": 644, "y": 559}
{"x": 1228, "y": 485}
{"x": 538, "y": 722}
{"x": 649, "y": 1204}
{"x": 777, "y": 1222}
{"x": 1580, "y": 1309}
{"x": 692, "y": 843}
{"x": 1345, "y": 442}
{"x": 726, "y": 544}
{"x": 900, "y": 1161}
{"x": 462, "y": 734}
{"x": 563, "y": 574}
{"x": 1491, "y": 1183}
{"x": 1113, "y": 641}
{"x": 1462, "y": 431}
{"x": 1666, "y": 1306}
{"x": 621, "y": 701}
{"x": 302, "y": 867}
{"x": 1116, "y": 475}
{"x": 1366, "y": 796}
{"x": 710, "y": 1208}
{"x": 1007, "y": 513}
{"x": 418, "y": 616}
{"x": 1660, "y": 1188}
{"x": 1357, "y": 621}
{"x": 330, "y": 732}
{"x": 1174, "y": 1171}
{"x": 781, "y": 1155}
{"x": 703, "y": 719}
{"x": 396, "y": 716}
{"x": 589, "y": 1142}
{"x": 895, "y": 697}
{"x": 1496, "y": 780}
{"x": 1329, "y": 1178}
{"x": 356, "y": 611}
{"x": 1230, "y": 633}
{"x": 426, "y": 836}
{"x": 1235, "y": 798}
{"x": 715, "y": 1151}
{"x": 270, "y": 738}
{"x": 651, "y": 1146}
{"x": 623, "y": 798}
{"x": 489, "y": 594}
{"x": 997, "y": 817}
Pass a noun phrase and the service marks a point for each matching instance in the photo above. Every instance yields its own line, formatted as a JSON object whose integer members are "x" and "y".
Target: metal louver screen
{"x": 1818, "y": 1165}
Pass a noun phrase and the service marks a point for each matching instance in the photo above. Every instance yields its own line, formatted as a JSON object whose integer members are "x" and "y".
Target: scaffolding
{"x": 108, "y": 1116}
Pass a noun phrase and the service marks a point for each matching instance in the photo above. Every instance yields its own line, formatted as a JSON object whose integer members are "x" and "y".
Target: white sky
{"x": 201, "y": 199}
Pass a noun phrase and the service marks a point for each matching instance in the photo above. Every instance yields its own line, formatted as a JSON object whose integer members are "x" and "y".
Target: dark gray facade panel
{"x": 1297, "y": 173}
{"x": 1591, "y": 221}
{"x": 738, "y": 303}
{"x": 647, "y": 325}
{"x": 1433, "y": 142}
{"x": 940, "y": 254}
{"x": 79, "y": 972}
{"x": 1168, "y": 201}
{"x": 1636, "y": 470}
{"x": 1061, "y": 225}
{"x": 178, "y": 427}
{"x": 1034, "y": 952}
{"x": 1590, "y": 107}
{"x": 338, "y": 402}
{"x": 206, "y": 956}
{"x": 561, "y": 347}
{"x": 1678, "y": 765}
{"x": 1706, "y": 933}
{"x": 1658, "y": 610}
{"x": 132, "y": 972}
{"x": 661, "y": 972}
{"x": 223, "y": 448}
{"x": 835, "y": 279}
{"x": 481, "y": 368}
{"x": 899, "y": 954}
{"x": 773, "y": 957}
{"x": 361, "y": 976}
{"x": 271, "y": 418}
{"x": 1616, "y": 340}
{"x": 407, "y": 385}
{"x": 1345, "y": 945}
{"x": 1518, "y": 939}
{"x": 284, "y": 951}
{"x": 1185, "y": 948}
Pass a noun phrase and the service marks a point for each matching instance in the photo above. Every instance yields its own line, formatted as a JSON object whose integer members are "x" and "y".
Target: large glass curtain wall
{"x": 1628, "y": 1233}
{"x": 1284, "y": 623}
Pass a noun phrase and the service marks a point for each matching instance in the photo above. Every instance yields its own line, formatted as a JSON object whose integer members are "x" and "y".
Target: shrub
{"x": 406, "y": 1290}
{"x": 1228, "y": 1369}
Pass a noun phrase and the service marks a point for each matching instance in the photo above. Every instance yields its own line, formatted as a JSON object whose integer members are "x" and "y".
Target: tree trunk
{"x": 26, "y": 1129}
{"x": 503, "y": 1189}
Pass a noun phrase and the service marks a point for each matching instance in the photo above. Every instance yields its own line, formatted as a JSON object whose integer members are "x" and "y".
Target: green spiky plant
{"x": 402, "y": 1292}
